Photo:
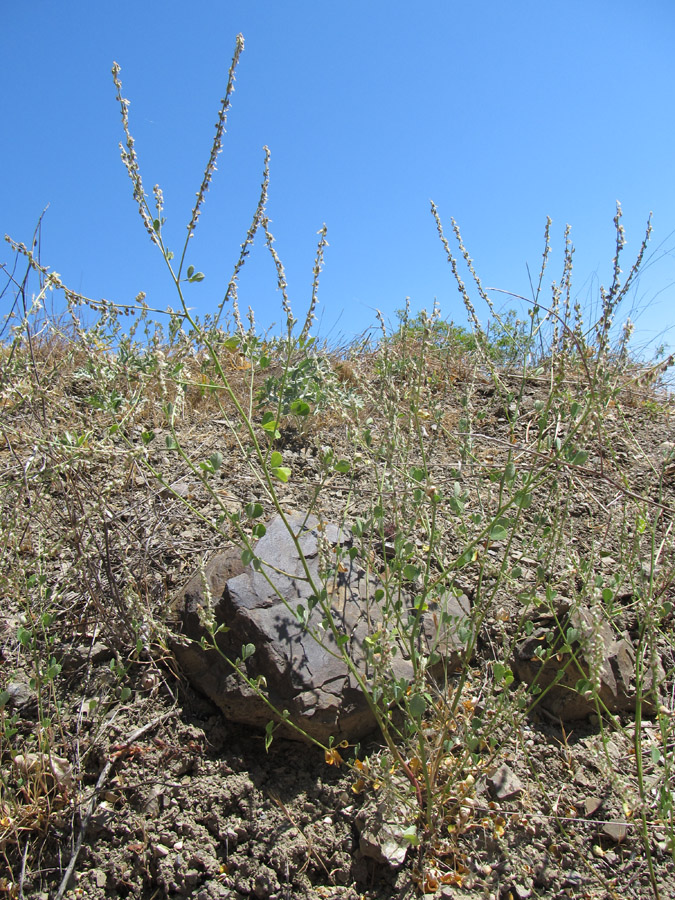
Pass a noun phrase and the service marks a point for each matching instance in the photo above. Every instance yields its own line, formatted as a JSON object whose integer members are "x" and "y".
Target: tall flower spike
{"x": 282, "y": 284}
{"x": 481, "y": 339}
{"x": 231, "y": 292}
{"x": 318, "y": 265}
{"x": 217, "y": 145}
{"x": 130, "y": 159}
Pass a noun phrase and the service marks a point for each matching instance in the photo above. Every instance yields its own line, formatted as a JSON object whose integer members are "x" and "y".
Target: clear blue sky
{"x": 501, "y": 112}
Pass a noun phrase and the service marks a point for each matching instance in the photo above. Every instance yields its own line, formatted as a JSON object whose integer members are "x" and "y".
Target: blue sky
{"x": 502, "y": 113}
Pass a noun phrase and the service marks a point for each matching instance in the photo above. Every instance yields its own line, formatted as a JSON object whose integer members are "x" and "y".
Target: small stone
{"x": 21, "y": 695}
{"x": 592, "y": 805}
{"x": 48, "y": 768}
{"x": 153, "y": 803}
{"x": 504, "y": 784}
{"x": 180, "y": 487}
{"x": 161, "y": 850}
{"x": 149, "y": 681}
{"x": 523, "y": 889}
{"x": 615, "y": 831}
{"x": 103, "y": 819}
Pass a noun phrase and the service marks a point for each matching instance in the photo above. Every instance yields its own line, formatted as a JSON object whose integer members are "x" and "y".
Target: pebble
{"x": 615, "y": 831}
{"x": 505, "y": 784}
{"x": 592, "y": 805}
{"x": 21, "y": 695}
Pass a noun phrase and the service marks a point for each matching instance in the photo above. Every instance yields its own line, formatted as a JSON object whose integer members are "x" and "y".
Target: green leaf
{"x": 584, "y": 687}
{"x": 358, "y": 527}
{"x": 456, "y": 506}
{"x": 253, "y": 510}
{"x": 190, "y": 271}
{"x": 216, "y": 460}
{"x": 510, "y": 472}
{"x": 247, "y": 556}
{"x": 580, "y": 457}
{"x": 232, "y": 343}
{"x": 283, "y": 473}
{"x": 53, "y": 671}
{"x": 417, "y": 706}
{"x": 502, "y": 674}
{"x": 342, "y": 639}
{"x": 300, "y": 408}
{"x": 156, "y": 224}
{"x": 269, "y": 424}
{"x": 247, "y": 651}
{"x": 410, "y": 835}
{"x": 410, "y": 572}
{"x": 523, "y": 499}
{"x": 342, "y": 466}
{"x": 498, "y": 533}
{"x": 275, "y": 459}
{"x": 171, "y": 443}
{"x": 147, "y": 436}
{"x": 467, "y": 557}
{"x": 269, "y": 735}
{"x": 4, "y": 699}
{"x": 198, "y": 276}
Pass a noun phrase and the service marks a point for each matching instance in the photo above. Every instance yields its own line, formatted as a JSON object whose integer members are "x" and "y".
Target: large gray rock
{"x": 595, "y": 647}
{"x": 306, "y": 676}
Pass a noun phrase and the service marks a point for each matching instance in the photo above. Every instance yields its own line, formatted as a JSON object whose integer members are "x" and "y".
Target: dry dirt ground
{"x": 191, "y": 805}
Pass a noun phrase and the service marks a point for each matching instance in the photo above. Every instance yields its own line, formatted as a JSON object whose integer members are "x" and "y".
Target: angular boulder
{"x": 593, "y": 645}
{"x": 306, "y": 676}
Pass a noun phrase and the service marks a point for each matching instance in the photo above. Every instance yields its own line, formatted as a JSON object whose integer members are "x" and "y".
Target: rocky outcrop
{"x": 302, "y": 663}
